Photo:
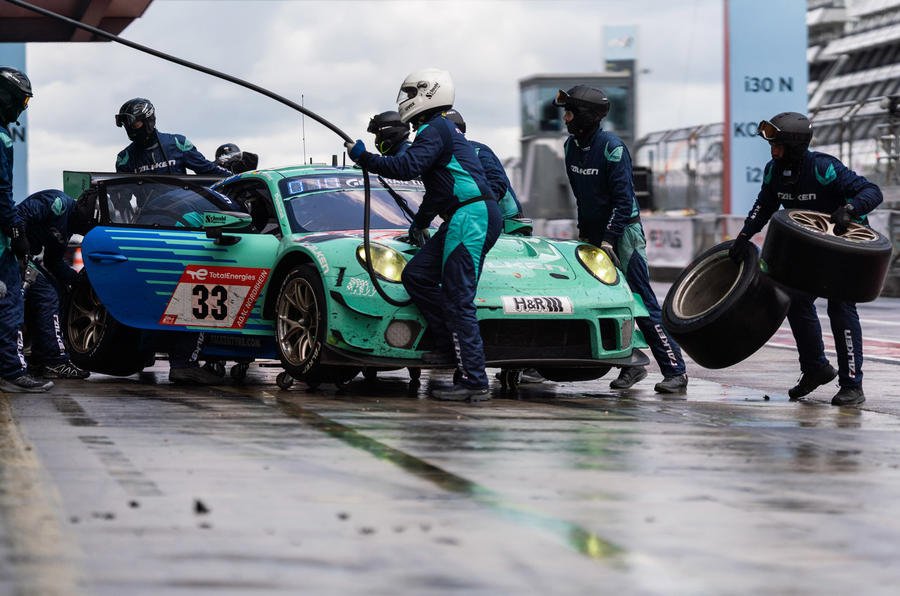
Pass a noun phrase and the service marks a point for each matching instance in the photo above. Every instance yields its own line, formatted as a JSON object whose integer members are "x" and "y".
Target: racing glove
{"x": 741, "y": 248}
{"x": 611, "y": 253}
{"x": 355, "y": 150}
{"x": 842, "y": 217}
{"x": 18, "y": 242}
{"x": 418, "y": 236}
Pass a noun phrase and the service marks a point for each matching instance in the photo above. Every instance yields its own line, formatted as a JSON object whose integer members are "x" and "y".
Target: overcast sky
{"x": 348, "y": 60}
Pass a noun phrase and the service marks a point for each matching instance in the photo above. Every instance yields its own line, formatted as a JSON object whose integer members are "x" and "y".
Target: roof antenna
{"x": 303, "y": 128}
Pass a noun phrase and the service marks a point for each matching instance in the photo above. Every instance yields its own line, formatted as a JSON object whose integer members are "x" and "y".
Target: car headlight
{"x": 387, "y": 263}
{"x": 597, "y": 263}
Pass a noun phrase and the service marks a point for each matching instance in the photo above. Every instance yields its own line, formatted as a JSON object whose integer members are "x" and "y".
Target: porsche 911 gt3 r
{"x": 270, "y": 265}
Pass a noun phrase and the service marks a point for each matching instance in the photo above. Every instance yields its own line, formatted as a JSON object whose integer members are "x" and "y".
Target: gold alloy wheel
{"x": 821, "y": 222}
{"x": 87, "y": 320}
{"x": 297, "y": 326}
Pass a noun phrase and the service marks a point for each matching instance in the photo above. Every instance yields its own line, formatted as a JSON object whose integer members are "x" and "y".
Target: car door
{"x": 153, "y": 266}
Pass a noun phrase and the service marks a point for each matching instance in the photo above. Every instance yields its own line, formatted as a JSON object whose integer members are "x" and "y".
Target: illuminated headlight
{"x": 386, "y": 262}
{"x": 401, "y": 334}
{"x": 597, "y": 263}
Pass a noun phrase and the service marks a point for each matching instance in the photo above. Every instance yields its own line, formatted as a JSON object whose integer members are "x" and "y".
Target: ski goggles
{"x": 561, "y": 98}
{"x": 126, "y": 120}
{"x": 767, "y": 130}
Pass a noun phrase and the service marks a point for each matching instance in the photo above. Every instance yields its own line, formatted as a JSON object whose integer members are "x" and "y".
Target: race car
{"x": 271, "y": 265}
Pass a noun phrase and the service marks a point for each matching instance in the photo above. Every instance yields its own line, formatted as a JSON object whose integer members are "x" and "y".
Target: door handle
{"x": 113, "y": 257}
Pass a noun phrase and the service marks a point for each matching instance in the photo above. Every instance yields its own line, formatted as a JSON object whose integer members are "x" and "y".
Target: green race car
{"x": 270, "y": 264}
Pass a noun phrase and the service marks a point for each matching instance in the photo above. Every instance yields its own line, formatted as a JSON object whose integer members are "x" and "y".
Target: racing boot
{"x": 25, "y": 384}
{"x": 62, "y": 370}
{"x": 628, "y": 376}
{"x": 462, "y": 393}
{"x": 673, "y": 384}
{"x": 810, "y": 380}
{"x": 530, "y": 376}
{"x": 193, "y": 375}
{"x": 848, "y": 396}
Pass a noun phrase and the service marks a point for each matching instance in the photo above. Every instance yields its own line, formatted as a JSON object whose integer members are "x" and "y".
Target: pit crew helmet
{"x": 15, "y": 91}
{"x": 425, "y": 90}
{"x": 134, "y": 111}
{"x": 456, "y": 118}
{"x": 226, "y": 152}
{"x": 588, "y": 105}
{"x": 794, "y": 131}
{"x": 389, "y": 130}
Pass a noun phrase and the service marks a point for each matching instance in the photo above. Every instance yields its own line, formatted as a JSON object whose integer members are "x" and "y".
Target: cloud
{"x": 348, "y": 59}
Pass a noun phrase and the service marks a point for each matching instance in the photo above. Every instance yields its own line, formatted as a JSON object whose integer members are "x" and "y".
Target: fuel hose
{"x": 231, "y": 79}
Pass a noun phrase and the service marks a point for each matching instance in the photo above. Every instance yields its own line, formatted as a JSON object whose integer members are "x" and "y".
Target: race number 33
{"x": 214, "y": 296}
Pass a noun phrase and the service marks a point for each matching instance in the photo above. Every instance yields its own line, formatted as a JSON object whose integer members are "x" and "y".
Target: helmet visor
{"x": 407, "y": 93}
{"x": 561, "y": 98}
{"x": 125, "y": 120}
{"x": 767, "y": 130}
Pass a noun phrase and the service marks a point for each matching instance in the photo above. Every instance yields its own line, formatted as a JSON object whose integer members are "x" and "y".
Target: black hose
{"x": 252, "y": 87}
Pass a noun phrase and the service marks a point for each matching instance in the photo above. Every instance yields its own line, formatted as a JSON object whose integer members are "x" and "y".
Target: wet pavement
{"x": 134, "y": 486}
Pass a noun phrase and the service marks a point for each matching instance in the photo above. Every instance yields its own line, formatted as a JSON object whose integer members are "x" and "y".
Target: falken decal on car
{"x": 537, "y": 305}
{"x": 219, "y": 297}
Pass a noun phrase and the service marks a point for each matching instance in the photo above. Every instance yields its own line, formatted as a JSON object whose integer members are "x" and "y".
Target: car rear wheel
{"x": 96, "y": 341}
{"x": 721, "y": 312}
{"x": 802, "y": 252}
{"x": 301, "y": 329}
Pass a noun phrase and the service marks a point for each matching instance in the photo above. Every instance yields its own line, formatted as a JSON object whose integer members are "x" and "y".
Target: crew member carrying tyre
{"x": 799, "y": 178}
{"x": 442, "y": 277}
{"x": 391, "y": 133}
{"x": 15, "y": 91}
{"x": 50, "y": 218}
{"x": 599, "y": 168}
{"x": 154, "y": 152}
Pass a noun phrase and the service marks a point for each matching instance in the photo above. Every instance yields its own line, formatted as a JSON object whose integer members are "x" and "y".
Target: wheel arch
{"x": 285, "y": 266}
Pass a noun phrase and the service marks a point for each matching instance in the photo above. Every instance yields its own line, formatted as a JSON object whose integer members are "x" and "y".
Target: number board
{"x": 214, "y": 296}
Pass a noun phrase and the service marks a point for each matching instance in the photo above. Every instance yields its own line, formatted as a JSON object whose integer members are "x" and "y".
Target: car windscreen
{"x": 317, "y": 203}
{"x": 160, "y": 203}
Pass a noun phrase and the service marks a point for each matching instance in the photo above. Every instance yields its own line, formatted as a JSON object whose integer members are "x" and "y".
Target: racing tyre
{"x": 802, "y": 252}
{"x": 721, "y": 312}
{"x": 301, "y": 329}
{"x": 561, "y": 375}
{"x": 96, "y": 341}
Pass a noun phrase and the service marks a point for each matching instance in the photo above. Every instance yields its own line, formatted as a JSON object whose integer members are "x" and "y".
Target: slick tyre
{"x": 720, "y": 312}
{"x": 95, "y": 340}
{"x": 802, "y": 252}
{"x": 301, "y": 328}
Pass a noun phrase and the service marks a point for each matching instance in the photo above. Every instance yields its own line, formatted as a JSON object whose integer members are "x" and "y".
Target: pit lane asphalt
{"x": 133, "y": 486}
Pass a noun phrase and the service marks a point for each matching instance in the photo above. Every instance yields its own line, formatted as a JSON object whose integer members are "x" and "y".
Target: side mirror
{"x": 226, "y": 220}
{"x": 216, "y": 222}
{"x": 518, "y": 226}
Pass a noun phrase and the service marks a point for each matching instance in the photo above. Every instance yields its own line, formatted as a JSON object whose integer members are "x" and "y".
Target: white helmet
{"x": 423, "y": 90}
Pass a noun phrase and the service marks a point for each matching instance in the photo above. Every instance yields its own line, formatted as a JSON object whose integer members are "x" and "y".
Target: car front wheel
{"x": 301, "y": 329}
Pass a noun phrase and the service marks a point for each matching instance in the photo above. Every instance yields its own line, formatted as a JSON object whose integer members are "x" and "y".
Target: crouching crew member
{"x": 443, "y": 276}
{"x": 50, "y": 218}
{"x": 599, "y": 168}
{"x": 799, "y": 178}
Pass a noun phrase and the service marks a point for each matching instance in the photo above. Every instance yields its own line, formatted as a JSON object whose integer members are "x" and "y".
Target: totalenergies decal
{"x": 220, "y": 297}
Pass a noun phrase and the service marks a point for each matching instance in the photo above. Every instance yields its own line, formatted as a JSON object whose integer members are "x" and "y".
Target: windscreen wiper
{"x": 398, "y": 198}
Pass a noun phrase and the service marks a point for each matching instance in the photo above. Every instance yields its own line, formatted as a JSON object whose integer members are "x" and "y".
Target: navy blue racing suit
{"x": 12, "y": 311}
{"x": 601, "y": 178}
{"x": 442, "y": 278}
{"x": 172, "y": 154}
{"x": 498, "y": 181}
{"x": 824, "y": 185}
{"x": 46, "y": 218}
